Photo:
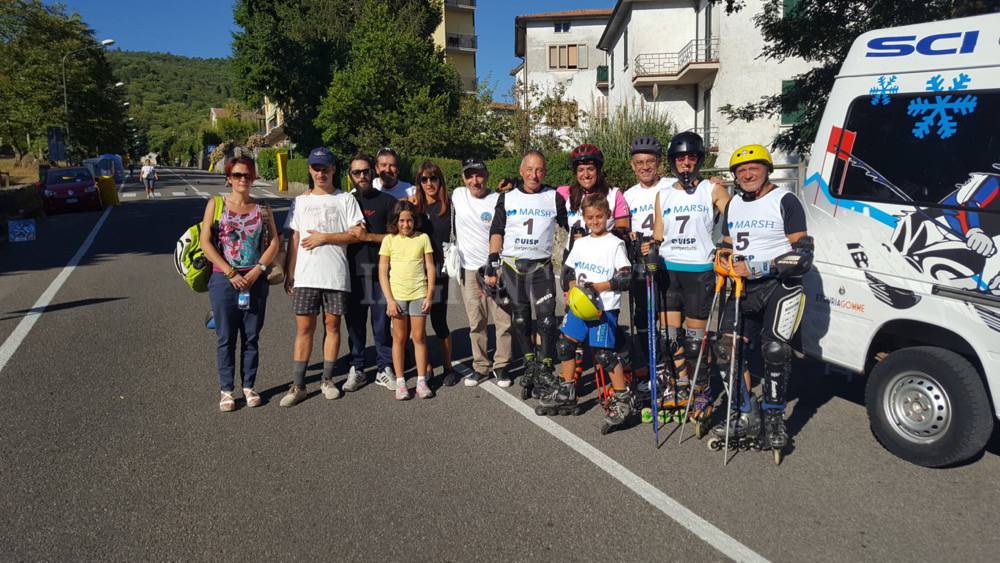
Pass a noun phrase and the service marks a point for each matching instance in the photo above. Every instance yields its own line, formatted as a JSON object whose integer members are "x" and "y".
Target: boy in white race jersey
{"x": 521, "y": 244}
{"x": 765, "y": 233}
{"x": 647, "y": 155}
{"x": 684, "y": 220}
{"x": 599, "y": 269}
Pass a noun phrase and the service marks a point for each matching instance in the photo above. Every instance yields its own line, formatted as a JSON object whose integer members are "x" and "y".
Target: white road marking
{"x": 22, "y": 329}
{"x": 676, "y": 511}
{"x": 178, "y": 193}
{"x": 196, "y": 190}
{"x": 128, "y": 195}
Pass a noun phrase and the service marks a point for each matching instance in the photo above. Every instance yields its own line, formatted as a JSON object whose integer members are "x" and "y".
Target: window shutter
{"x": 584, "y": 56}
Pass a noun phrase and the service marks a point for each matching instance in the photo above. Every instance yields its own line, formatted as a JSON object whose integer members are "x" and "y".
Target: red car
{"x": 65, "y": 189}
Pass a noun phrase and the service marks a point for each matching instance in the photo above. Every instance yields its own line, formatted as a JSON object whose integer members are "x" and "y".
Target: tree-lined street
{"x": 113, "y": 446}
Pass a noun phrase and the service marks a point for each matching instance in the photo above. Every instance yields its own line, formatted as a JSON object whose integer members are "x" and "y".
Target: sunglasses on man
{"x": 361, "y": 172}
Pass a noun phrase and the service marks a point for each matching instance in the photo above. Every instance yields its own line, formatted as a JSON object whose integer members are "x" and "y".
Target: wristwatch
{"x": 263, "y": 268}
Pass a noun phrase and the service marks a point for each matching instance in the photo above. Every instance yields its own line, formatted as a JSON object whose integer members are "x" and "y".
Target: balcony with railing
{"x": 461, "y": 4}
{"x": 710, "y": 136}
{"x": 602, "y": 76}
{"x": 460, "y": 42}
{"x": 698, "y": 60}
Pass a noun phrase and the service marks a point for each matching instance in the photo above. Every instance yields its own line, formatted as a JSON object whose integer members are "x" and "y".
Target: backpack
{"x": 189, "y": 258}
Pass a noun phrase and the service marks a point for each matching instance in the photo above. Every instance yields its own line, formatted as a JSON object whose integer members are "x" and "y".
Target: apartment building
{"x": 456, "y": 35}
{"x": 687, "y": 59}
{"x": 560, "y": 50}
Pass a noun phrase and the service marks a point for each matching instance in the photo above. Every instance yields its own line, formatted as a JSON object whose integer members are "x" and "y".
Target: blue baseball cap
{"x": 322, "y": 156}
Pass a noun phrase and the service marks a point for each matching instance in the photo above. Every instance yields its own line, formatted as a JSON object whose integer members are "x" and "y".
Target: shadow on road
{"x": 59, "y": 307}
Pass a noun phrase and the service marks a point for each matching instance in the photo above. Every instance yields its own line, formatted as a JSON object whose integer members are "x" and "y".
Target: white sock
{"x": 421, "y": 378}
{"x": 400, "y": 381}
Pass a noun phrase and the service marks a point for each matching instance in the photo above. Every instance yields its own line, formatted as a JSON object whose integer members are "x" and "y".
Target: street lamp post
{"x": 104, "y": 43}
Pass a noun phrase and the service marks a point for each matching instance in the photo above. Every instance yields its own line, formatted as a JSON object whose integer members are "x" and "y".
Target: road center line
{"x": 676, "y": 511}
{"x": 22, "y": 329}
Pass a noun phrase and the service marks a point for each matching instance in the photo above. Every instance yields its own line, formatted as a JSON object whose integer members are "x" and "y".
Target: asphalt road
{"x": 112, "y": 446}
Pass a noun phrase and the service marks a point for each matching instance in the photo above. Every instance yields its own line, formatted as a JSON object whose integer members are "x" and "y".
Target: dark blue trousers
{"x": 366, "y": 296}
{"x": 231, "y": 323}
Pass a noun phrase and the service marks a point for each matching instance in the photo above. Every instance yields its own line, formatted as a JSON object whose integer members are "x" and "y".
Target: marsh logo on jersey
{"x": 692, "y": 208}
{"x": 531, "y": 212}
{"x": 596, "y": 269}
{"x": 486, "y": 217}
{"x": 767, "y": 224}
{"x": 646, "y": 208}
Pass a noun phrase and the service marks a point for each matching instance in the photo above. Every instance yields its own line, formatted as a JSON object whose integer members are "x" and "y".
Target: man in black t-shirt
{"x": 366, "y": 293}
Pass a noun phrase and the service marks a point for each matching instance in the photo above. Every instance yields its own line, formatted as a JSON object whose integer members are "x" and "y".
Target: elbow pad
{"x": 621, "y": 280}
{"x": 793, "y": 264}
{"x": 568, "y": 275}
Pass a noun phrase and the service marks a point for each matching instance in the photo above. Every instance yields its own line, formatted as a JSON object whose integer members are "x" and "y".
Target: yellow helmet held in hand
{"x": 751, "y": 153}
{"x": 584, "y": 302}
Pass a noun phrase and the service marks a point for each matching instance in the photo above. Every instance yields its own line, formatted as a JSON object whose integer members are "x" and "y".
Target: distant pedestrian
{"x": 366, "y": 292}
{"x": 474, "y": 205}
{"x": 406, "y": 274}
{"x": 149, "y": 177}
{"x": 238, "y": 286}
{"x": 324, "y": 222}
{"x": 432, "y": 202}
{"x": 387, "y": 170}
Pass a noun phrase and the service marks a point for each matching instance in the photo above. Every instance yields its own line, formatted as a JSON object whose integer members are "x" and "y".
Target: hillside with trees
{"x": 170, "y": 96}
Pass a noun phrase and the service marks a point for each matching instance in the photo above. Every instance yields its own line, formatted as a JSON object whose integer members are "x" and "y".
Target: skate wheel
{"x": 606, "y": 429}
{"x": 664, "y": 417}
{"x": 715, "y": 443}
{"x": 647, "y": 415}
{"x": 541, "y": 411}
{"x": 525, "y": 393}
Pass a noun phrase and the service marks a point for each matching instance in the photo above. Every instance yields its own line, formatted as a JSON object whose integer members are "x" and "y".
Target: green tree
{"x": 821, "y": 32}
{"x": 288, "y": 50}
{"x": 394, "y": 89}
{"x": 34, "y": 38}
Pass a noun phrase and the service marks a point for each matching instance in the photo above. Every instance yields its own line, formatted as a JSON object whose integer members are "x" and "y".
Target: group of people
{"x": 381, "y": 254}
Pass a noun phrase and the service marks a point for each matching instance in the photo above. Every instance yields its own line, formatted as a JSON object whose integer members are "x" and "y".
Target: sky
{"x": 203, "y": 28}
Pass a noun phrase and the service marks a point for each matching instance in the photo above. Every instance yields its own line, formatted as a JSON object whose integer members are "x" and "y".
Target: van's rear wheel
{"x": 928, "y": 406}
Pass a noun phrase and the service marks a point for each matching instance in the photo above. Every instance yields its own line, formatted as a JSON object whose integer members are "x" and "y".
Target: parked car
{"x": 65, "y": 189}
{"x": 903, "y": 199}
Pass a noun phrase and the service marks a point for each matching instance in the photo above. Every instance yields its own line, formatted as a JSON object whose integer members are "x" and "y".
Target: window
{"x": 625, "y": 50}
{"x": 789, "y": 117}
{"x": 561, "y": 27}
{"x": 568, "y": 56}
{"x": 878, "y": 151}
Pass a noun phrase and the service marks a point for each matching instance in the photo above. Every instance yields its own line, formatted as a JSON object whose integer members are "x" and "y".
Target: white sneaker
{"x": 386, "y": 378}
{"x": 355, "y": 379}
{"x": 329, "y": 389}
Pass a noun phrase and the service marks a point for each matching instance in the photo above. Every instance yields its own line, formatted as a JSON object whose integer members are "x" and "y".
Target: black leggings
{"x": 439, "y": 307}
{"x": 532, "y": 282}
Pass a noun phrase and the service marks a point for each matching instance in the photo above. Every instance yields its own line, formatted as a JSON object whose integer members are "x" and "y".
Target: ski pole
{"x": 651, "y": 267}
{"x": 720, "y": 281}
{"x": 738, "y": 290}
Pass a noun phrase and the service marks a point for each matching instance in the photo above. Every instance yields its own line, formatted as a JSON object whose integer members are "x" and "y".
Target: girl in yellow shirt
{"x": 406, "y": 273}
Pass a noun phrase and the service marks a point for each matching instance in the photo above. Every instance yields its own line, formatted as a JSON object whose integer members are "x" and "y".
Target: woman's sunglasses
{"x": 428, "y": 179}
{"x": 241, "y": 175}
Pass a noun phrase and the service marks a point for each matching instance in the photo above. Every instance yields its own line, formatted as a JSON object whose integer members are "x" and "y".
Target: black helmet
{"x": 647, "y": 144}
{"x": 586, "y": 153}
{"x": 686, "y": 142}
{"x": 498, "y": 292}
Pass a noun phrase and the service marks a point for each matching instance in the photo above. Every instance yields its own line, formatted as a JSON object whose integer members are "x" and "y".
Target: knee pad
{"x": 607, "y": 358}
{"x": 547, "y": 325}
{"x": 565, "y": 349}
{"x": 724, "y": 349}
{"x": 775, "y": 352}
{"x": 521, "y": 321}
{"x": 692, "y": 344}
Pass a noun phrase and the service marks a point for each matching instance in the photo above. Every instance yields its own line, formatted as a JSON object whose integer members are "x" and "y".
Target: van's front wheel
{"x": 928, "y": 406}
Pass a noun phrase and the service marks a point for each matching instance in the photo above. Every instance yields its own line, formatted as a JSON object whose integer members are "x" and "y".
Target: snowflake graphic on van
{"x": 940, "y": 110}
{"x": 882, "y": 92}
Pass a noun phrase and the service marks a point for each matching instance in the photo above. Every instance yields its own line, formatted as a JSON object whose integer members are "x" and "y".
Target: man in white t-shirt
{"x": 387, "y": 168}
{"x": 149, "y": 177}
{"x": 325, "y": 221}
{"x": 474, "y": 204}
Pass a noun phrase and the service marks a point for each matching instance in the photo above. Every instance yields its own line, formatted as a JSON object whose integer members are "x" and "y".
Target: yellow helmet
{"x": 751, "y": 153}
{"x": 584, "y": 302}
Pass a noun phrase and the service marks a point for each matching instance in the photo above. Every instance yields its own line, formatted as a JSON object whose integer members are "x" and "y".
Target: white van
{"x": 902, "y": 194}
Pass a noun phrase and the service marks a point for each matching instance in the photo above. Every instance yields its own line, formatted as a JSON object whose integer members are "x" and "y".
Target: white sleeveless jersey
{"x": 473, "y": 217}
{"x": 641, "y": 204}
{"x": 596, "y": 259}
{"x": 688, "y": 220}
{"x": 531, "y": 221}
{"x": 757, "y": 227}
{"x": 575, "y": 218}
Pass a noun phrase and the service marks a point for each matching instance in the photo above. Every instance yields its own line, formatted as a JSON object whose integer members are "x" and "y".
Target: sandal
{"x": 253, "y": 399}
{"x": 227, "y": 404}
